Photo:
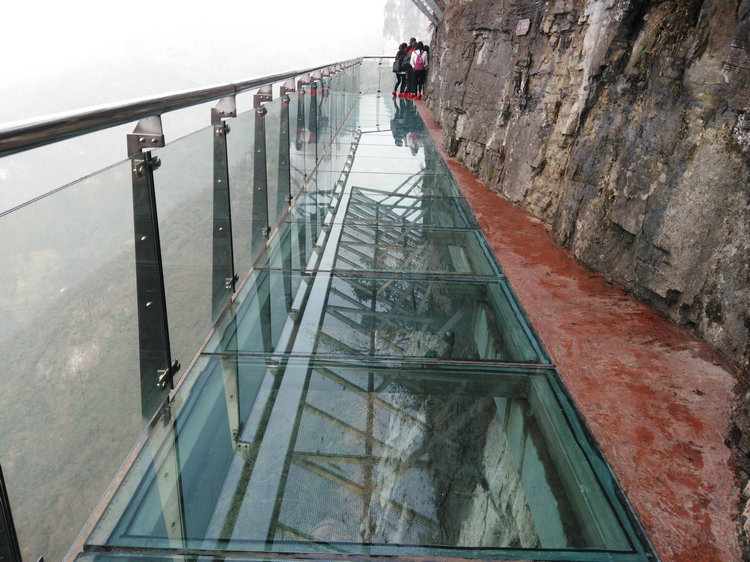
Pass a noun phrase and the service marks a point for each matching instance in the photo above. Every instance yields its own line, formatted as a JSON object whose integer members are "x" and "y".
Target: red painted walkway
{"x": 656, "y": 398}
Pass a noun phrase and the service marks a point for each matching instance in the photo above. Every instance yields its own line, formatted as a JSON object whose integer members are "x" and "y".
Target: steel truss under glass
{"x": 370, "y": 384}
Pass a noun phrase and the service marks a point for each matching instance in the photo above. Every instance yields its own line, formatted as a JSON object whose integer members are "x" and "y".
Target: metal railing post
{"x": 260, "y": 177}
{"x": 224, "y": 277}
{"x": 313, "y": 120}
{"x": 285, "y": 171}
{"x": 156, "y": 366}
{"x": 9, "y": 547}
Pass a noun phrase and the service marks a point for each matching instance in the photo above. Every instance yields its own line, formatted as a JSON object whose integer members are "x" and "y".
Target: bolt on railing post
{"x": 224, "y": 278}
{"x": 156, "y": 366}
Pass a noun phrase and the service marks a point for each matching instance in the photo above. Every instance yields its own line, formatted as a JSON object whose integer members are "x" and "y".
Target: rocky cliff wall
{"x": 625, "y": 126}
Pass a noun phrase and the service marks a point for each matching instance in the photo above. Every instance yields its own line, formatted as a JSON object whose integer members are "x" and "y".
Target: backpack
{"x": 398, "y": 62}
{"x": 419, "y": 63}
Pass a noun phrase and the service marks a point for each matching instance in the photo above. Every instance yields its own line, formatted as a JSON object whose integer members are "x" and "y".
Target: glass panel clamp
{"x": 166, "y": 376}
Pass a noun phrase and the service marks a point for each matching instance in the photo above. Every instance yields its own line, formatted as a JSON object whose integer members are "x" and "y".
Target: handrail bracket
{"x": 148, "y": 134}
{"x": 227, "y": 107}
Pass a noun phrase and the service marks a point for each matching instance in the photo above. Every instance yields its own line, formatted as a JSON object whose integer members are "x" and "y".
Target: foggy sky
{"x": 64, "y": 55}
{"x": 71, "y": 54}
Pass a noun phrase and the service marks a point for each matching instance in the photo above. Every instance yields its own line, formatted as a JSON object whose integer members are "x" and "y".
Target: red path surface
{"x": 656, "y": 398}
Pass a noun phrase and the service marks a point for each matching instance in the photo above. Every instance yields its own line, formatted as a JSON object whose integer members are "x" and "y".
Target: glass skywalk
{"x": 375, "y": 388}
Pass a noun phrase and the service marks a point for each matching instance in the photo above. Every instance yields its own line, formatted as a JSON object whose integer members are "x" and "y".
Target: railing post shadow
{"x": 156, "y": 367}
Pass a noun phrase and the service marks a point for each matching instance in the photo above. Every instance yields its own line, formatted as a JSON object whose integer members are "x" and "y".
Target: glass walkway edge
{"x": 374, "y": 389}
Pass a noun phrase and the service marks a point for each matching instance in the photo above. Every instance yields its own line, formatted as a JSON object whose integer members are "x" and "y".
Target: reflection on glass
{"x": 368, "y": 460}
{"x": 276, "y": 163}
{"x": 70, "y": 390}
{"x": 240, "y": 153}
{"x": 300, "y": 162}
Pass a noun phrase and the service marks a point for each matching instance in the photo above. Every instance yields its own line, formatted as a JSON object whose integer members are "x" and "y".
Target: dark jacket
{"x": 398, "y": 63}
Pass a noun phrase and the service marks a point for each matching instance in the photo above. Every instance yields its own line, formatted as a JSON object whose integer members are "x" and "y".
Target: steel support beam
{"x": 430, "y": 10}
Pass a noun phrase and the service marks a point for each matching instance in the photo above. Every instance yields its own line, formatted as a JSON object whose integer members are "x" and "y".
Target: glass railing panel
{"x": 302, "y": 159}
{"x": 387, "y": 76}
{"x": 322, "y": 114}
{"x": 393, "y": 248}
{"x": 370, "y": 75}
{"x": 386, "y": 460}
{"x": 241, "y": 156}
{"x": 71, "y": 399}
{"x": 338, "y": 99}
{"x": 329, "y": 109}
{"x": 184, "y": 196}
{"x": 277, "y": 168}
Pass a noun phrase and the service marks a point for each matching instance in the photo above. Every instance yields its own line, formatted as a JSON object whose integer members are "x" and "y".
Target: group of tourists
{"x": 410, "y": 67}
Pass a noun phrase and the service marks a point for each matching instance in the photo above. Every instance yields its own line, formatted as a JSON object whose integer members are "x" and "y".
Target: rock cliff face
{"x": 625, "y": 126}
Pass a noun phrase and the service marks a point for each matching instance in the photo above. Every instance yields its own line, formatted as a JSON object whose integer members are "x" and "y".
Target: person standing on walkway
{"x": 400, "y": 70}
{"x": 410, "y": 83}
{"x": 419, "y": 64}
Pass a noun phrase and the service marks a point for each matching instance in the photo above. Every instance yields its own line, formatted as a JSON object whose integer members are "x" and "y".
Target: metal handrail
{"x": 23, "y": 135}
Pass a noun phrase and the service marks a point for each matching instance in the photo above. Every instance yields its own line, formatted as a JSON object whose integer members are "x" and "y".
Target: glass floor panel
{"x": 417, "y": 184}
{"x": 374, "y": 389}
{"x": 414, "y": 250}
{"x": 377, "y": 206}
{"x": 372, "y": 206}
{"x": 335, "y": 457}
{"x": 392, "y": 247}
{"x": 360, "y": 458}
{"x": 398, "y": 316}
